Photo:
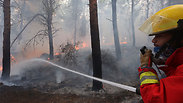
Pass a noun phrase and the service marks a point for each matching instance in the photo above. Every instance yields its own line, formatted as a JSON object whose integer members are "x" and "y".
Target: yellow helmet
{"x": 164, "y": 20}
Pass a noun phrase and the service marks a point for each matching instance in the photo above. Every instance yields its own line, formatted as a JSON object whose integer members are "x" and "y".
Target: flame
{"x": 77, "y": 48}
{"x": 1, "y": 68}
{"x": 84, "y": 45}
{"x": 57, "y": 53}
{"x": 13, "y": 59}
{"x": 16, "y": 10}
{"x": 123, "y": 42}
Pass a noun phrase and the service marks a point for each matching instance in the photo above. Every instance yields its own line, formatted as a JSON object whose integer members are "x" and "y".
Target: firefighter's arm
{"x": 146, "y": 73}
{"x": 148, "y": 76}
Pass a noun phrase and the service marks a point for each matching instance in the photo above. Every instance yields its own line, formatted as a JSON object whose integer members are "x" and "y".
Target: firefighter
{"x": 167, "y": 28}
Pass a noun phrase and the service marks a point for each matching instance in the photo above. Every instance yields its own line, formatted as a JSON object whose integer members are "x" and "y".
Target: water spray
{"x": 132, "y": 89}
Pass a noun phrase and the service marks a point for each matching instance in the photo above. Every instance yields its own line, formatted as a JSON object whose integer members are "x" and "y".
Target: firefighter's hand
{"x": 145, "y": 59}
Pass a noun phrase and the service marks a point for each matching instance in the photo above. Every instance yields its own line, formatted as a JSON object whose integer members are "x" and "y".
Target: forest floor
{"x": 39, "y": 82}
{"x": 18, "y": 94}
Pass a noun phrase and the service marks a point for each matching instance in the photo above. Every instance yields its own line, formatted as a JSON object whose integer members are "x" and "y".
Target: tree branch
{"x": 25, "y": 27}
{"x": 34, "y": 38}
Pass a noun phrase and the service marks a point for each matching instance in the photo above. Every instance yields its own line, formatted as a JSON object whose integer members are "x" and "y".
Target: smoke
{"x": 7, "y": 83}
{"x": 59, "y": 77}
{"x": 35, "y": 73}
{"x": 64, "y": 21}
{"x": 124, "y": 70}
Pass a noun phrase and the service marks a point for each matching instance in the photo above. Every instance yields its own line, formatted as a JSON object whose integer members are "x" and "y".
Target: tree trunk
{"x": 21, "y": 19}
{"x": 147, "y": 9}
{"x": 75, "y": 30}
{"x": 95, "y": 42}
{"x": 115, "y": 30}
{"x": 1, "y": 28}
{"x": 132, "y": 22}
{"x": 75, "y": 20}
{"x": 50, "y": 35}
{"x": 6, "y": 40}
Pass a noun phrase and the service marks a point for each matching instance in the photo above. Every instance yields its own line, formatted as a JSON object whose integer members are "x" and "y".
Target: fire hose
{"x": 129, "y": 88}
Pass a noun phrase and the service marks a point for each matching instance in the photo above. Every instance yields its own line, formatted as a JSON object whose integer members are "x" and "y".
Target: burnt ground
{"x": 18, "y": 94}
{"x": 31, "y": 88}
{"x": 40, "y": 82}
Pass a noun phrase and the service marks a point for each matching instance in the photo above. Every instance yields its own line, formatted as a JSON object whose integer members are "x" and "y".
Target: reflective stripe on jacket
{"x": 169, "y": 89}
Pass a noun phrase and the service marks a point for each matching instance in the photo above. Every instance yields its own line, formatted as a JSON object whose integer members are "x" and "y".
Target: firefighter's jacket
{"x": 169, "y": 89}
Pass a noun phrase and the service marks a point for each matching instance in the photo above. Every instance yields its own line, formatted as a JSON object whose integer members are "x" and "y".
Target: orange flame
{"x": 13, "y": 59}
{"x": 76, "y": 47}
{"x": 1, "y": 68}
{"x": 84, "y": 45}
{"x": 123, "y": 42}
{"x": 57, "y": 53}
{"x": 80, "y": 46}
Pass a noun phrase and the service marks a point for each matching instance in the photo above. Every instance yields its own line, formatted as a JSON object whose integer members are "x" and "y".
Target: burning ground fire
{"x": 82, "y": 45}
{"x": 1, "y": 68}
{"x": 77, "y": 47}
{"x": 123, "y": 42}
{"x": 13, "y": 60}
{"x": 57, "y": 54}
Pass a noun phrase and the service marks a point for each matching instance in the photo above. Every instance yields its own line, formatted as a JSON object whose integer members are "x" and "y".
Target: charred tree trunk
{"x": 50, "y": 36}
{"x": 132, "y": 23}
{"x": 95, "y": 42}
{"x": 115, "y": 30}
{"x": 49, "y": 13}
{"x": 1, "y": 27}
{"x": 6, "y": 40}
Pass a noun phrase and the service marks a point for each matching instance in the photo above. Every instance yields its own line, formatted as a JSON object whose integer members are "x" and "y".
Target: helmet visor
{"x": 157, "y": 24}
